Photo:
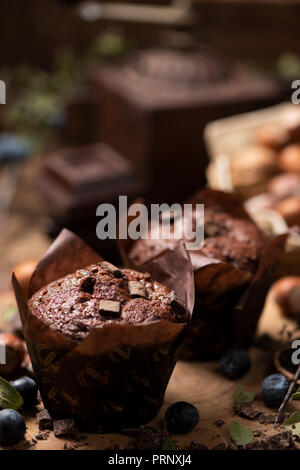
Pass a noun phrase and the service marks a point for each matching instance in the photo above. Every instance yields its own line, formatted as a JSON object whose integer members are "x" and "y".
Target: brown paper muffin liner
{"x": 116, "y": 377}
{"x": 228, "y": 300}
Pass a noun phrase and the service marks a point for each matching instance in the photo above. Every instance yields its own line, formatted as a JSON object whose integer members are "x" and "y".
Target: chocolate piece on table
{"x": 176, "y": 304}
{"x": 64, "y": 427}
{"x": 113, "y": 269}
{"x": 137, "y": 289}
{"x": 44, "y": 420}
{"x": 109, "y": 308}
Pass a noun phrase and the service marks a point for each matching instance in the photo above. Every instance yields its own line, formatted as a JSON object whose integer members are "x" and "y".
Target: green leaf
{"x": 168, "y": 444}
{"x": 9, "y": 397}
{"x": 295, "y": 428}
{"x": 241, "y": 435}
{"x": 242, "y": 396}
{"x": 9, "y": 313}
{"x": 296, "y": 396}
{"x": 292, "y": 419}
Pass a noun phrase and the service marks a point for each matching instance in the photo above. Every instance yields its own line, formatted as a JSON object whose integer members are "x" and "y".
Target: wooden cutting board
{"x": 199, "y": 383}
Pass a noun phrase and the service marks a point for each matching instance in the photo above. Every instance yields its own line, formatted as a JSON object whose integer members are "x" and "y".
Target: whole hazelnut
{"x": 284, "y": 185}
{"x": 289, "y": 158}
{"x": 15, "y": 353}
{"x": 252, "y": 167}
{"x": 289, "y": 208}
{"x": 286, "y": 293}
{"x": 273, "y": 136}
{"x": 23, "y": 272}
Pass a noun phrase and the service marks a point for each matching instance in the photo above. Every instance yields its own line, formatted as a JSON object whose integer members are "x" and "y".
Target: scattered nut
{"x": 272, "y": 136}
{"x": 289, "y": 208}
{"x": 289, "y": 158}
{"x": 286, "y": 293}
{"x": 253, "y": 166}
{"x": 15, "y": 353}
{"x": 284, "y": 185}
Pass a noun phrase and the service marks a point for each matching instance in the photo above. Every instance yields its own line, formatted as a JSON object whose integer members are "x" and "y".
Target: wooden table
{"x": 195, "y": 382}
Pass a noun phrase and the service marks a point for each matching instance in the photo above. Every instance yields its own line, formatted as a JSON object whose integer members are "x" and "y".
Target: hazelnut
{"x": 289, "y": 158}
{"x": 15, "y": 353}
{"x": 23, "y": 272}
{"x": 289, "y": 208}
{"x": 273, "y": 136}
{"x": 284, "y": 185}
{"x": 286, "y": 293}
{"x": 252, "y": 167}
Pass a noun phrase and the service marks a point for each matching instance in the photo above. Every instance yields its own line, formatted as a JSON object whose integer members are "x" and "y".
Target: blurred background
{"x": 107, "y": 98}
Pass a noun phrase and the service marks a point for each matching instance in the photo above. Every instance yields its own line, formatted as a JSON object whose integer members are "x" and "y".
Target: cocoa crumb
{"x": 195, "y": 446}
{"x": 42, "y": 436}
{"x": 219, "y": 423}
{"x": 281, "y": 441}
{"x": 249, "y": 411}
{"x": 148, "y": 438}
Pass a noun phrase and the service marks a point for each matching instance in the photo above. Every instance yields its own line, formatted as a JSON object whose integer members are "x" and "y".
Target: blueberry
{"x": 12, "y": 427}
{"x": 13, "y": 147}
{"x": 28, "y": 390}
{"x": 181, "y": 417}
{"x": 235, "y": 363}
{"x": 273, "y": 390}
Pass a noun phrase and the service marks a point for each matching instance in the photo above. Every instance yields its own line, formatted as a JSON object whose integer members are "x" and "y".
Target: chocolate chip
{"x": 88, "y": 284}
{"x": 109, "y": 308}
{"x": 64, "y": 427}
{"x": 176, "y": 304}
{"x": 113, "y": 269}
{"x": 44, "y": 420}
{"x": 136, "y": 289}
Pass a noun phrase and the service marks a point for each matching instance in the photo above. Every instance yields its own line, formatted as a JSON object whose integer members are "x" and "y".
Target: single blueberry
{"x": 28, "y": 390}
{"x": 14, "y": 147}
{"x": 235, "y": 363}
{"x": 273, "y": 390}
{"x": 12, "y": 427}
{"x": 181, "y": 417}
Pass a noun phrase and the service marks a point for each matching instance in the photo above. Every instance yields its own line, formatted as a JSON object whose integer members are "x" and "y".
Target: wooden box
{"x": 155, "y": 106}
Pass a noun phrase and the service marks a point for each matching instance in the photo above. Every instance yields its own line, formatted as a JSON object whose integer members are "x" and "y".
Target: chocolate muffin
{"x": 102, "y": 294}
{"x": 103, "y": 341}
{"x": 230, "y": 235}
{"x": 223, "y": 267}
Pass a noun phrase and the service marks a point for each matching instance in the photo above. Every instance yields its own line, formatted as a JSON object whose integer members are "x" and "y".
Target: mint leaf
{"x": 296, "y": 396}
{"x": 295, "y": 428}
{"x": 292, "y": 419}
{"x": 9, "y": 397}
{"x": 8, "y": 314}
{"x": 241, "y": 435}
{"x": 242, "y": 396}
{"x": 168, "y": 444}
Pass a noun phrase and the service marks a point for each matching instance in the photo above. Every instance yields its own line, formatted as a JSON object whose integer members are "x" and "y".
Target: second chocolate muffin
{"x": 223, "y": 267}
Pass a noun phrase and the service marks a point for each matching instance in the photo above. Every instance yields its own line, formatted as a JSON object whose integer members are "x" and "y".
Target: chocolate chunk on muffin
{"x": 101, "y": 294}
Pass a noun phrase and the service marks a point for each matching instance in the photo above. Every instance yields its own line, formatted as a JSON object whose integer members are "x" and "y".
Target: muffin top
{"x": 102, "y": 294}
{"x": 229, "y": 234}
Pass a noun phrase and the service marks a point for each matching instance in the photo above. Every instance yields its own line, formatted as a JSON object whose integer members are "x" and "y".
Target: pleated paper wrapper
{"x": 116, "y": 377}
